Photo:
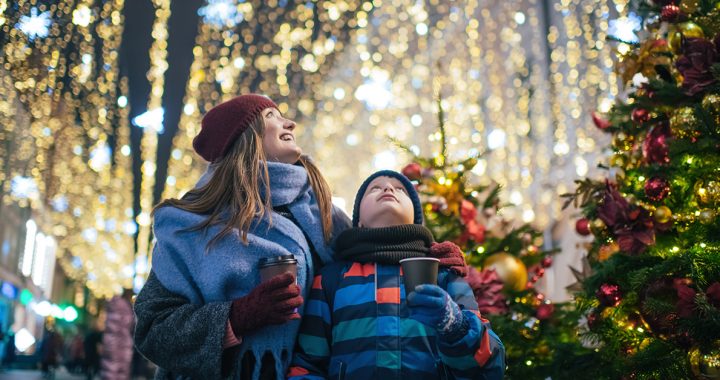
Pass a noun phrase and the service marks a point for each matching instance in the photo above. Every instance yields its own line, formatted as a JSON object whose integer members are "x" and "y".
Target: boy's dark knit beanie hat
{"x": 409, "y": 187}
{"x": 224, "y": 123}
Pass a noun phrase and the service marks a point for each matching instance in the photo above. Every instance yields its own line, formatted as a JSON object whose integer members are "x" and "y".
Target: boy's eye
{"x": 400, "y": 188}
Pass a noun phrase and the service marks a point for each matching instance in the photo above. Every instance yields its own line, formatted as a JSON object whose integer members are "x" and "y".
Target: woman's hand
{"x": 273, "y": 302}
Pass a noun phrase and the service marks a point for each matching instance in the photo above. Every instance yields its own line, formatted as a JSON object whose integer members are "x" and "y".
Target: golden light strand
{"x": 496, "y": 91}
{"x": 59, "y": 147}
{"x": 230, "y": 59}
{"x": 148, "y": 144}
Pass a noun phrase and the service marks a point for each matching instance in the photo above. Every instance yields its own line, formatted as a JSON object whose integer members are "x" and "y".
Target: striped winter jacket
{"x": 357, "y": 327}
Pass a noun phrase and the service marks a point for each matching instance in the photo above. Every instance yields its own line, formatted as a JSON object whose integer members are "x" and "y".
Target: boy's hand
{"x": 432, "y": 306}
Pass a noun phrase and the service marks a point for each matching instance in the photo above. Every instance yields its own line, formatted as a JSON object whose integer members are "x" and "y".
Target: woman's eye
{"x": 269, "y": 115}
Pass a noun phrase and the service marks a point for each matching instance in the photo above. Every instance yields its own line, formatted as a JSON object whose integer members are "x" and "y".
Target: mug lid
{"x": 275, "y": 260}
{"x": 420, "y": 258}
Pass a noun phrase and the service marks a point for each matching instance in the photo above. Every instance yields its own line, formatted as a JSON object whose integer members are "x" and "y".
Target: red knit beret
{"x": 222, "y": 125}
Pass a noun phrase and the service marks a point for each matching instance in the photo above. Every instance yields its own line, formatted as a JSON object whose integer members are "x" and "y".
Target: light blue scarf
{"x": 229, "y": 269}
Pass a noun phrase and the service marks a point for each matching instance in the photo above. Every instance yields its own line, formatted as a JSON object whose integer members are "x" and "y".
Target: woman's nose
{"x": 289, "y": 124}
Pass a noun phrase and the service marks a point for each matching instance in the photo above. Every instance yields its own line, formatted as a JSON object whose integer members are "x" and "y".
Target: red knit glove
{"x": 271, "y": 303}
{"x": 450, "y": 255}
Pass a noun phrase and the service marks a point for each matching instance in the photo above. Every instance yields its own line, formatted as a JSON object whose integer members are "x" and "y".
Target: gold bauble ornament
{"x": 711, "y": 103}
{"x": 706, "y": 216}
{"x": 662, "y": 214}
{"x": 705, "y": 364}
{"x": 618, "y": 160}
{"x": 623, "y": 141}
{"x": 683, "y": 123}
{"x": 597, "y": 226}
{"x": 690, "y": 29}
{"x": 689, "y": 6}
{"x": 510, "y": 269}
{"x": 707, "y": 193}
{"x": 686, "y": 29}
{"x": 674, "y": 39}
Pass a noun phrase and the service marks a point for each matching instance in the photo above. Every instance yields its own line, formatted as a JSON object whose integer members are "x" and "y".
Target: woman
{"x": 203, "y": 312}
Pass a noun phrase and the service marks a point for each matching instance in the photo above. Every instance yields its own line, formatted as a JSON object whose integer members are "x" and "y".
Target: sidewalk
{"x": 19, "y": 374}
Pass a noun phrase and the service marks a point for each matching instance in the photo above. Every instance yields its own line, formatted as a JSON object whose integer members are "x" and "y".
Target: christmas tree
{"x": 505, "y": 261}
{"x": 651, "y": 290}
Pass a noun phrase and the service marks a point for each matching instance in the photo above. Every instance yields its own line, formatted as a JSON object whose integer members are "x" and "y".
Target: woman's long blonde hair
{"x": 235, "y": 187}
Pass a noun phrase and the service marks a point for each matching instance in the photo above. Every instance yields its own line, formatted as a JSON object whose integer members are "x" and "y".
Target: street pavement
{"x": 20, "y": 374}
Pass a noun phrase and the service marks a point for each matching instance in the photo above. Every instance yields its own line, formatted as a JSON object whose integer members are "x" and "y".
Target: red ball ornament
{"x": 413, "y": 171}
{"x": 545, "y": 311}
{"x": 546, "y": 262}
{"x": 671, "y": 13}
{"x": 657, "y": 188}
{"x": 540, "y": 272}
{"x": 640, "y": 115}
{"x": 609, "y": 295}
{"x": 656, "y": 147}
{"x": 582, "y": 226}
{"x": 600, "y": 122}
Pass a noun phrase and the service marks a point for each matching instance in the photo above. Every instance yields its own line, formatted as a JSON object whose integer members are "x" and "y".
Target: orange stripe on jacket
{"x": 483, "y": 353}
{"x": 361, "y": 270}
{"x": 297, "y": 371}
{"x": 388, "y": 295}
{"x": 483, "y": 320}
{"x": 317, "y": 282}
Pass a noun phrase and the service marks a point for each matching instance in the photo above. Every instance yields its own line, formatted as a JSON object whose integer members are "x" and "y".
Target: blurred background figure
{"x": 8, "y": 354}
{"x": 117, "y": 342}
{"x": 50, "y": 349}
{"x": 91, "y": 344}
{"x": 76, "y": 354}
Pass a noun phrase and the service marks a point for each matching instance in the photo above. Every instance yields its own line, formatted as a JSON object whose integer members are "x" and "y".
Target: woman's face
{"x": 279, "y": 138}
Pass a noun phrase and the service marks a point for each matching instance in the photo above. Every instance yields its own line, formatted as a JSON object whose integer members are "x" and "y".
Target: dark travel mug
{"x": 419, "y": 271}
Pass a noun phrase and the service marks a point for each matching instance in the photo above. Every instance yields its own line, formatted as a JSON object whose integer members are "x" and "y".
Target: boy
{"x": 358, "y": 323}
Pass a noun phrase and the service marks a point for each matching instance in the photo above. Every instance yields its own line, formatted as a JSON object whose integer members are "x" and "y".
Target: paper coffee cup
{"x": 419, "y": 271}
{"x": 272, "y": 266}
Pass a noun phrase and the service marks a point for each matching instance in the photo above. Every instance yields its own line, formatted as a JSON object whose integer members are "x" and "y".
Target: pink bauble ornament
{"x": 657, "y": 188}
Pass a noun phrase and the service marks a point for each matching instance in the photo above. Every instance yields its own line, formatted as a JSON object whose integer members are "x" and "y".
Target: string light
{"x": 152, "y": 125}
{"x": 493, "y": 70}
{"x": 287, "y": 62}
{"x": 58, "y": 111}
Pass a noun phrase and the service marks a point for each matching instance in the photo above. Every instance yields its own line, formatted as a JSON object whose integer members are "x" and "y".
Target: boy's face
{"x": 385, "y": 203}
